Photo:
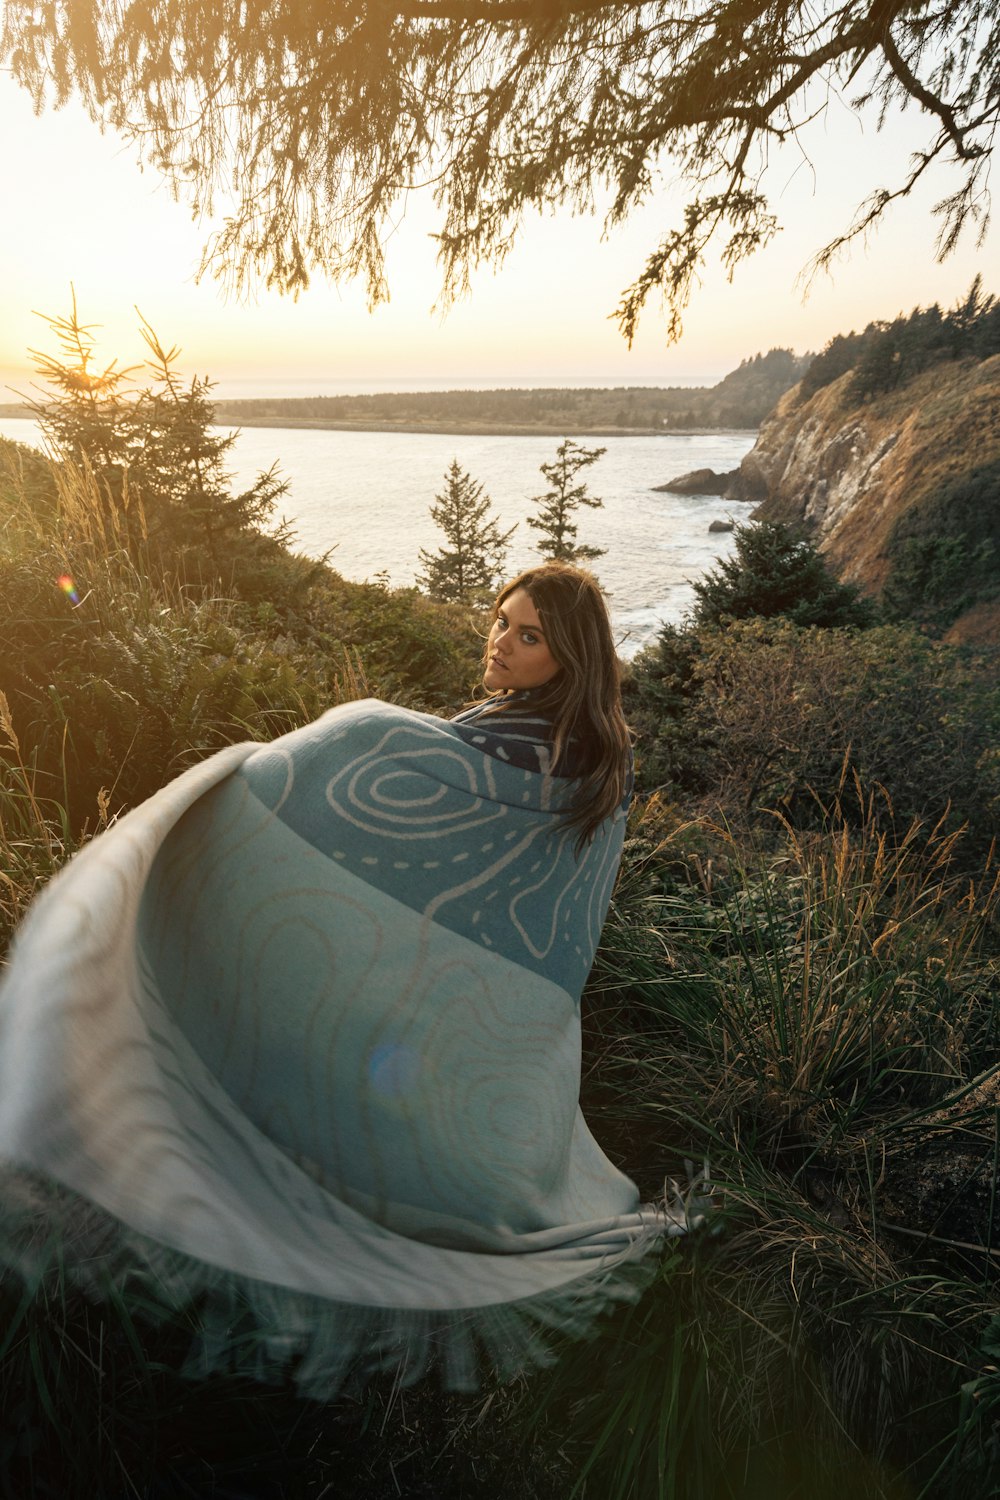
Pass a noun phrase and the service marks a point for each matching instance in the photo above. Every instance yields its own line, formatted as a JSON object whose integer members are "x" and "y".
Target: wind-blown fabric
{"x": 303, "y": 1032}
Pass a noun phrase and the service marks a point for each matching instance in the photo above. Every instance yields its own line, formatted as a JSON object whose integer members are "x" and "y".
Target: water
{"x": 366, "y": 496}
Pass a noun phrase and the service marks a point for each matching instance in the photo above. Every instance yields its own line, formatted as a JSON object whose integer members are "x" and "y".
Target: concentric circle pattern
{"x": 309, "y": 1019}
{"x": 404, "y": 802}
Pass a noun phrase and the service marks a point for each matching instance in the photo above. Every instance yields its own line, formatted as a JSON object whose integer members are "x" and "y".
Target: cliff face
{"x": 859, "y": 477}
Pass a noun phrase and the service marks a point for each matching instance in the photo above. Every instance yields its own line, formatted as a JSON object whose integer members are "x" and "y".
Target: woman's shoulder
{"x": 515, "y": 714}
{"x": 509, "y": 727}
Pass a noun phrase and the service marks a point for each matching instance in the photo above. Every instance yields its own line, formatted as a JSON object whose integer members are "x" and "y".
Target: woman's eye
{"x": 528, "y": 638}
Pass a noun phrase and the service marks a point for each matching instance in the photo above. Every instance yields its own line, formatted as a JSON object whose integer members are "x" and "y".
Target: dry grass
{"x": 819, "y": 1017}
{"x": 35, "y": 836}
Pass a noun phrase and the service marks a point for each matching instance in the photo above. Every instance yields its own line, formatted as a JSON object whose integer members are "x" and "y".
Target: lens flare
{"x": 68, "y": 587}
{"x": 393, "y": 1070}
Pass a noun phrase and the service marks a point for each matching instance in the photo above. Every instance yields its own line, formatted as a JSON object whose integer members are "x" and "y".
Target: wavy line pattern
{"x": 407, "y": 804}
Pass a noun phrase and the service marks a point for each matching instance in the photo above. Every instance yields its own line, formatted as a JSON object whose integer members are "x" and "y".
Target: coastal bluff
{"x": 906, "y": 481}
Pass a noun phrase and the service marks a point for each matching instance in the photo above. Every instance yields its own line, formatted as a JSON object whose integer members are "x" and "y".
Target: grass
{"x": 817, "y": 1013}
{"x": 35, "y": 835}
{"x": 821, "y": 1019}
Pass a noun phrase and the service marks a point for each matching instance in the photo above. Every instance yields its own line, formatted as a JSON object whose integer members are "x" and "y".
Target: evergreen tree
{"x": 559, "y": 504}
{"x": 470, "y": 568}
{"x": 890, "y": 354}
{"x": 84, "y": 416}
{"x": 180, "y": 464}
{"x": 774, "y": 570}
{"x": 841, "y": 354}
{"x": 159, "y": 463}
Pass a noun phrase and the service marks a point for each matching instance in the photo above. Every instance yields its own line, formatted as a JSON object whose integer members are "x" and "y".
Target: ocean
{"x": 364, "y": 497}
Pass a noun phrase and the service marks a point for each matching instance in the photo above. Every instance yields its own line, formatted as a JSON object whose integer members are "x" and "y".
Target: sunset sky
{"x": 80, "y": 210}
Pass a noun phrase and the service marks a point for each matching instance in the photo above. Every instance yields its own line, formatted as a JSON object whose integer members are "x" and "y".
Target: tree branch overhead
{"x": 306, "y": 123}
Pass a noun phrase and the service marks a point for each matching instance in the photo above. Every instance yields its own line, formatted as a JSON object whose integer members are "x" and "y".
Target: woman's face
{"x": 517, "y": 653}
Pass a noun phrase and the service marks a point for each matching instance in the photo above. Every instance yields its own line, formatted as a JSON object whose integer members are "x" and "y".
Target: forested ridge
{"x": 890, "y": 353}
{"x": 888, "y": 454}
{"x": 742, "y": 399}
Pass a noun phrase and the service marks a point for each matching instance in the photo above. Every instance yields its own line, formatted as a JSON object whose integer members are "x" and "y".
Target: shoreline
{"x": 479, "y": 429}
{"x": 442, "y": 429}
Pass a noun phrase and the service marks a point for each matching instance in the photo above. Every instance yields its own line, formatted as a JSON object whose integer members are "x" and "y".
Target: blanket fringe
{"x": 272, "y": 1333}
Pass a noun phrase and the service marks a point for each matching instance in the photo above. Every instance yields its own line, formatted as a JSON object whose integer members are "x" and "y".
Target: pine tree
{"x": 160, "y": 464}
{"x": 470, "y": 568}
{"x": 559, "y": 504}
{"x": 85, "y": 416}
{"x": 181, "y": 463}
{"x": 774, "y": 570}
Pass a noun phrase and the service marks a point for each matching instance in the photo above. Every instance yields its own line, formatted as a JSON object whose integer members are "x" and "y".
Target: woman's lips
{"x": 496, "y": 662}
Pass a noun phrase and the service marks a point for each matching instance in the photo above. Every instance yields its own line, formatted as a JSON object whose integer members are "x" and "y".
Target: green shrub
{"x": 411, "y": 650}
{"x": 776, "y": 570}
{"x": 766, "y": 715}
{"x": 945, "y": 551}
{"x": 125, "y": 675}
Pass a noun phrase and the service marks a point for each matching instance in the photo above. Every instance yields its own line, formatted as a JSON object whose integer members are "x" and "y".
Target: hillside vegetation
{"x": 798, "y": 979}
{"x": 159, "y": 659}
{"x": 742, "y": 399}
{"x": 890, "y": 354}
{"x": 888, "y": 453}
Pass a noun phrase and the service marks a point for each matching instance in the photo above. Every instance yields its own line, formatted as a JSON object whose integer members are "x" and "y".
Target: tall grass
{"x": 820, "y": 1016}
{"x": 35, "y": 832}
{"x": 135, "y": 674}
{"x": 819, "y": 982}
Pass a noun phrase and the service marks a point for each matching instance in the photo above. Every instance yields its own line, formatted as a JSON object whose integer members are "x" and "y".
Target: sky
{"x": 81, "y": 211}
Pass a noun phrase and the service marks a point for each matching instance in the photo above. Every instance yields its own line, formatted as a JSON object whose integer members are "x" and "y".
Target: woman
{"x": 550, "y": 660}
{"x": 299, "y": 1037}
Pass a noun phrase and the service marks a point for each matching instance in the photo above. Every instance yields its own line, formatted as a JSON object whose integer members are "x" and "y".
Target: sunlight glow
{"x": 115, "y": 232}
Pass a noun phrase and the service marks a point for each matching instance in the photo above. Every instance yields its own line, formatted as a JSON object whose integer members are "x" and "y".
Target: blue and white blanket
{"x": 303, "y": 1033}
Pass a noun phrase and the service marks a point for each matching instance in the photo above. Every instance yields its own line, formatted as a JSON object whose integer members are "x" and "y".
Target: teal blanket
{"x": 300, "y": 1037}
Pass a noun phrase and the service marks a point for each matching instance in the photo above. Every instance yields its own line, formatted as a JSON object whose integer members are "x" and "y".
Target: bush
{"x": 424, "y": 655}
{"x": 945, "y": 551}
{"x": 123, "y": 676}
{"x": 766, "y": 715}
{"x": 775, "y": 570}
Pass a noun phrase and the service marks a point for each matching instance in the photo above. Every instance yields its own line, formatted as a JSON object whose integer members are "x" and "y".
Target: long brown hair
{"x": 583, "y": 700}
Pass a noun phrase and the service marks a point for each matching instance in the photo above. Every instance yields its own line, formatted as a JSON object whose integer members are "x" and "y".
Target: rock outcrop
{"x": 698, "y": 482}
{"x": 850, "y": 473}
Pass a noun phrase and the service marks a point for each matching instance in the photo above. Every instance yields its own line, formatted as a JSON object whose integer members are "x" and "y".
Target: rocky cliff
{"x": 902, "y": 493}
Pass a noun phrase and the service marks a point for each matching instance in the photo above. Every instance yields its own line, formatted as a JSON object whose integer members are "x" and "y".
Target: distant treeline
{"x": 742, "y": 399}
{"x": 887, "y": 355}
